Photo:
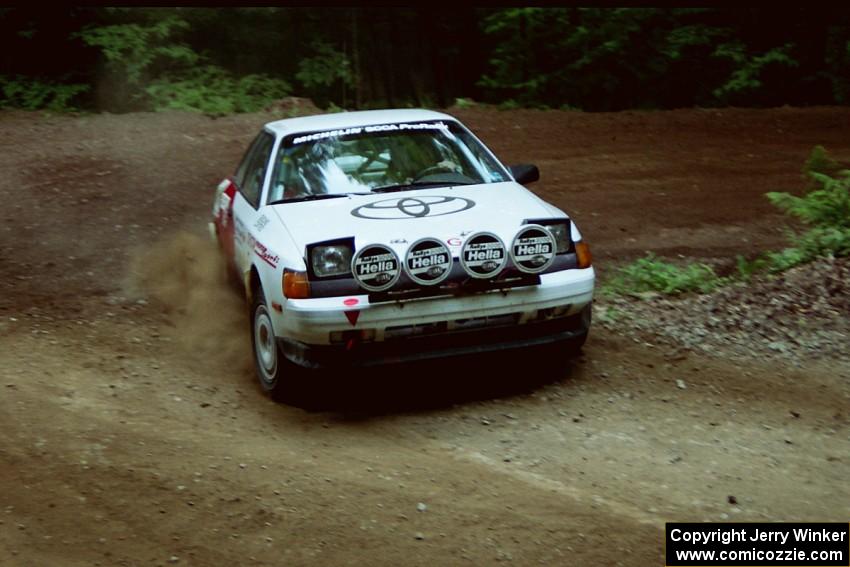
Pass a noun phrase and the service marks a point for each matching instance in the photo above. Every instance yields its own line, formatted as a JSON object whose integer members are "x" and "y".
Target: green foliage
{"x": 748, "y": 268}
{"x": 828, "y": 206}
{"x": 509, "y": 104}
{"x": 649, "y": 274}
{"x": 33, "y": 94}
{"x": 748, "y": 69}
{"x": 614, "y": 58}
{"x": 161, "y": 72}
{"x": 809, "y": 245}
{"x": 325, "y": 67}
{"x": 776, "y": 262}
{"x": 212, "y": 90}
{"x": 132, "y": 49}
{"x": 824, "y": 209}
{"x": 461, "y": 102}
{"x": 819, "y": 161}
{"x": 593, "y": 58}
{"x": 597, "y": 58}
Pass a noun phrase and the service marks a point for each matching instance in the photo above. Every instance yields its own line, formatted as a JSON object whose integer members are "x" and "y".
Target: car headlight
{"x": 561, "y": 232}
{"x": 331, "y": 260}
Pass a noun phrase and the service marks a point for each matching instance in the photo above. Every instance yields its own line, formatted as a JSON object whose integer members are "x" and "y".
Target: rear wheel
{"x": 277, "y": 376}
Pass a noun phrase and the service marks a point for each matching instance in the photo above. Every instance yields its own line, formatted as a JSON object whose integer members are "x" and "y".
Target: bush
{"x": 748, "y": 69}
{"x": 462, "y": 102}
{"x": 212, "y": 90}
{"x": 159, "y": 71}
{"x": 825, "y": 209}
{"x": 133, "y": 50}
{"x": 819, "y": 161}
{"x": 828, "y": 206}
{"x": 33, "y": 94}
{"x": 649, "y": 274}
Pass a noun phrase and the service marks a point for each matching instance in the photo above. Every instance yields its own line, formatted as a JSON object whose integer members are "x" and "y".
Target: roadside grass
{"x": 823, "y": 211}
{"x": 652, "y": 275}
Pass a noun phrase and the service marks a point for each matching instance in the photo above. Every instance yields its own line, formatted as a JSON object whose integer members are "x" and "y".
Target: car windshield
{"x": 387, "y": 157}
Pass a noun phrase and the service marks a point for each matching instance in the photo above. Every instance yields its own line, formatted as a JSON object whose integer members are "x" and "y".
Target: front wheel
{"x": 274, "y": 372}
{"x": 572, "y": 347}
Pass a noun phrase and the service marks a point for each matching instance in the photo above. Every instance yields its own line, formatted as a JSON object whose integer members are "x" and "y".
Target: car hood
{"x": 397, "y": 219}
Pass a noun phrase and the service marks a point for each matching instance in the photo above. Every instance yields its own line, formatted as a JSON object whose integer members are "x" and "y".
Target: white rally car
{"x": 394, "y": 235}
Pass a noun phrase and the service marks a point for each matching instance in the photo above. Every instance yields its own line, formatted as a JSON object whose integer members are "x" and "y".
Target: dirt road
{"x": 131, "y": 432}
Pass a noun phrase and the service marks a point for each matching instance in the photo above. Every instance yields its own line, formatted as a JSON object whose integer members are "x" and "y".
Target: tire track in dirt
{"x": 136, "y": 471}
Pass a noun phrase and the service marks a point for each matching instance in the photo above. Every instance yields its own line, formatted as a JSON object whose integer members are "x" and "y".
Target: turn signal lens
{"x": 583, "y": 254}
{"x": 295, "y": 285}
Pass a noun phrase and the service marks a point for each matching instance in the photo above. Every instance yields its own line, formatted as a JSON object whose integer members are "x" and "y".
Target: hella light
{"x": 483, "y": 255}
{"x": 533, "y": 249}
{"x": 331, "y": 260}
{"x": 428, "y": 261}
{"x": 376, "y": 267}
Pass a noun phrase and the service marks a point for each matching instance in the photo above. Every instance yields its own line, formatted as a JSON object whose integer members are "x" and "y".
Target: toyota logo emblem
{"x": 413, "y": 207}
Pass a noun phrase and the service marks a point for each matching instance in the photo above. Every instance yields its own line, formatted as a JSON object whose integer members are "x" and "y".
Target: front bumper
{"x": 556, "y": 309}
{"x": 451, "y": 343}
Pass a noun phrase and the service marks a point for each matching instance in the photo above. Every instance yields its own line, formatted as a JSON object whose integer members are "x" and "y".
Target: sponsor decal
{"x": 413, "y": 207}
{"x": 351, "y": 301}
{"x": 325, "y": 135}
{"x": 261, "y": 223}
{"x": 352, "y": 316}
{"x": 375, "y": 267}
{"x": 428, "y": 261}
{"x": 454, "y": 242}
{"x": 250, "y": 244}
{"x": 483, "y": 255}
{"x": 412, "y": 126}
{"x": 265, "y": 254}
{"x": 533, "y": 249}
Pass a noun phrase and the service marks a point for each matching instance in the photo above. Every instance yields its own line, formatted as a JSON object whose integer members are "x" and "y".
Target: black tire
{"x": 572, "y": 347}
{"x": 278, "y": 377}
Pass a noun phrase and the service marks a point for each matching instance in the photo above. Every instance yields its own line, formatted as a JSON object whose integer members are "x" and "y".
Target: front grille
{"x": 438, "y": 327}
{"x": 456, "y": 286}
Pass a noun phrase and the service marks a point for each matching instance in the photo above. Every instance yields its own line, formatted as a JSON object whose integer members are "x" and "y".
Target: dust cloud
{"x": 184, "y": 275}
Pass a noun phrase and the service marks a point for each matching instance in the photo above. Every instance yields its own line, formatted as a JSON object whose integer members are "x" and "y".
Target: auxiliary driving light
{"x": 483, "y": 255}
{"x": 375, "y": 267}
{"x": 428, "y": 261}
{"x": 533, "y": 249}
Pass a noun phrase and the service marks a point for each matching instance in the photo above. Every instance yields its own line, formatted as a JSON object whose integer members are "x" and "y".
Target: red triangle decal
{"x": 352, "y": 316}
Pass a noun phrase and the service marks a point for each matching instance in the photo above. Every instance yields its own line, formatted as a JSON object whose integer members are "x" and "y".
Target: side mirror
{"x": 525, "y": 173}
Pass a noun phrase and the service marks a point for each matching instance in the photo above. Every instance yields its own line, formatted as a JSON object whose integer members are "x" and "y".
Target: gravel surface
{"x": 801, "y": 314}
